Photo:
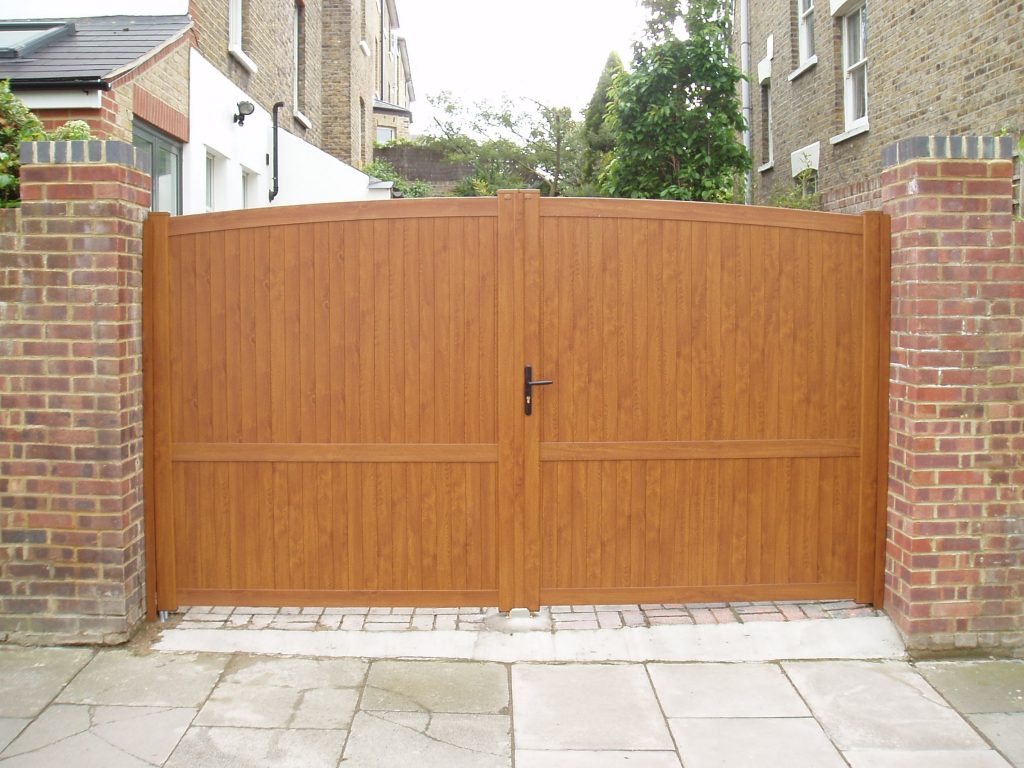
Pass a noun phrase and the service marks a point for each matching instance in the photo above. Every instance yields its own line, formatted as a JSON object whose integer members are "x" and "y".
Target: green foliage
{"x": 802, "y": 195}
{"x": 514, "y": 145}
{"x": 598, "y": 140}
{"x": 385, "y": 171}
{"x": 676, "y": 117}
{"x": 72, "y": 130}
{"x": 17, "y": 124}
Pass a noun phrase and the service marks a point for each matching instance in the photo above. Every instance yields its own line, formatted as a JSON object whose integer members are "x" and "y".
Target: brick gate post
{"x": 955, "y": 548}
{"x": 71, "y": 548}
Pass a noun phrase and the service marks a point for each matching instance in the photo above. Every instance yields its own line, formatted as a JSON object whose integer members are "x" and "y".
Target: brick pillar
{"x": 71, "y": 548}
{"x": 955, "y": 565}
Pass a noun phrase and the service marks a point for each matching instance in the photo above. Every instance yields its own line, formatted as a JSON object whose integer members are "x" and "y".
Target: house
{"x": 235, "y": 101}
{"x": 834, "y": 82}
{"x": 368, "y": 101}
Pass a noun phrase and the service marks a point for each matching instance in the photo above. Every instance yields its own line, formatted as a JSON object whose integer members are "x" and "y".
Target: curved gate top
{"x": 337, "y": 403}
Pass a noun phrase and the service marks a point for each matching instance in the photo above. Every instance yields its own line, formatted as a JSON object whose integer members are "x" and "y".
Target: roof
{"x": 96, "y": 49}
{"x": 390, "y": 109}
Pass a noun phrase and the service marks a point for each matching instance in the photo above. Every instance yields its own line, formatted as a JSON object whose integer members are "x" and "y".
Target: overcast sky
{"x": 549, "y": 50}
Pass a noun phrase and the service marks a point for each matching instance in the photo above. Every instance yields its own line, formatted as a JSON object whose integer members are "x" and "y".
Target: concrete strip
{"x": 859, "y": 638}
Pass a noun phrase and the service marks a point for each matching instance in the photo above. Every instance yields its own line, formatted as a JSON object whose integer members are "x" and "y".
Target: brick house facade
{"x": 371, "y": 84}
{"x": 943, "y": 67}
{"x": 321, "y": 59}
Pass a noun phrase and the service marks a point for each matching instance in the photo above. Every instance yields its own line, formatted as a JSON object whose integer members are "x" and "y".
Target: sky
{"x": 549, "y": 50}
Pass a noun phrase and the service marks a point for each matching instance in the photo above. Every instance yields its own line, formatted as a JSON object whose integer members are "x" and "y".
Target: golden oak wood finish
{"x": 335, "y": 403}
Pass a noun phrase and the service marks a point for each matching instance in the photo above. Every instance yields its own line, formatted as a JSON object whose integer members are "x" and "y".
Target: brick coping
{"x": 562, "y": 617}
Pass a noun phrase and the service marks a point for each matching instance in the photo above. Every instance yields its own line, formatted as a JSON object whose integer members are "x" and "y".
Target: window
{"x": 248, "y": 188}
{"x": 855, "y": 68}
{"x": 1018, "y": 188}
{"x": 20, "y": 39}
{"x": 385, "y": 134}
{"x": 211, "y": 173}
{"x": 164, "y": 155}
{"x": 805, "y": 30}
{"x": 767, "y": 137}
{"x": 237, "y": 13}
{"x": 299, "y": 64}
{"x": 360, "y": 157}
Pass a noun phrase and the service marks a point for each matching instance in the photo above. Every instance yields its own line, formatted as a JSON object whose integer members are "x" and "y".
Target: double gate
{"x": 336, "y": 403}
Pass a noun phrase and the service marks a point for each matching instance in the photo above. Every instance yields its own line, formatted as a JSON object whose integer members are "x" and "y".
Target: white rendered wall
{"x": 307, "y": 174}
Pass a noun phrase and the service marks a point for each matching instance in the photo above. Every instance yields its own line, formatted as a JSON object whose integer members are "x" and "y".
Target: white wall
{"x": 307, "y": 174}
{"x": 59, "y": 9}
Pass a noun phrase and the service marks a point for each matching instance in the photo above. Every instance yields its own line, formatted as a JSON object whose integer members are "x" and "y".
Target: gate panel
{"x": 704, "y": 437}
{"x": 332, "y": 399}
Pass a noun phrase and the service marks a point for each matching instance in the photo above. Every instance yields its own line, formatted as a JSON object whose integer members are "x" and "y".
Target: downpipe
{"x": 276, "y": 117}
{"x": 748, "y": 192}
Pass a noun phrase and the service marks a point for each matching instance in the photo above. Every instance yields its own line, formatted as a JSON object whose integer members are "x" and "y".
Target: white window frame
{"x": 391, "y": 128}
{"x": 769, "y": 128}
{"x": 211, "y": 182}
{"x": 854, "y": 122}
{"x": 236, "y": 12}
{"x": 297, "y": 21}
{"x": 805, "y": 31}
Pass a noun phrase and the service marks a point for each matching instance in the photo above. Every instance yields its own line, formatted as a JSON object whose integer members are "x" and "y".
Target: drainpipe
{"x": 276, "y": 188}
{"x": 748, "y": 115}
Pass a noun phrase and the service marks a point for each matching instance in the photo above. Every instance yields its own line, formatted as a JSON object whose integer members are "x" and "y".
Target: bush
{"x": 385, "y": 171}
{"x": 18, "y": 124}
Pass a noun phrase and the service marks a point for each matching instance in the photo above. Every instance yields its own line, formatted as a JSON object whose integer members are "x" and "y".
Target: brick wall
{"x": 941, "y": 67}
{"x": 349, "y": 127}
{"x": 71, "y": 548}
{"x": 267, "y": 30}
{"x": 425, "y": 164}
{"x": 955, "y": 569}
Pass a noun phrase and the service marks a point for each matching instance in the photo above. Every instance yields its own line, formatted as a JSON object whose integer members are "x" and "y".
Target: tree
{"x": 516, "y": 144}
{"x": 676, "y": 117}
{"x": 598, "y": 140}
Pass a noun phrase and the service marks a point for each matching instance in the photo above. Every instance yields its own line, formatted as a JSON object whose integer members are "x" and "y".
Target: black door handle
{"x": 528, "y": 385}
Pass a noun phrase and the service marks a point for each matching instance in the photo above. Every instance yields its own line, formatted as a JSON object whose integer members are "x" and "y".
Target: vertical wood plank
{"x": 160, "y": 263}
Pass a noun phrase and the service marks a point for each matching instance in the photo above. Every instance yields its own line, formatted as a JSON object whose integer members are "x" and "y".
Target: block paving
{"x": 471, "y": 619}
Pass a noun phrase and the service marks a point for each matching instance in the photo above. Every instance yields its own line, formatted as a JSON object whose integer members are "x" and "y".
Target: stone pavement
{"x": 136, "y": 706}
{"x": 561, "y": 617}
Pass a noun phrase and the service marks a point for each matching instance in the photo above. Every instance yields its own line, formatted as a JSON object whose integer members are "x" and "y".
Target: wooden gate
{"x": 335, "y": 403}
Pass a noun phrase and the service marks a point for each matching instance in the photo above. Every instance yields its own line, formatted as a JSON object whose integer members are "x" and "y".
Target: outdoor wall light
{"x": 245, "y": 108}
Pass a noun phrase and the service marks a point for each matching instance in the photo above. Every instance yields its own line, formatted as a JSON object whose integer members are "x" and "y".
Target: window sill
{"x": 239, "y": 55}
{"x": 856, "y": 130}
{"x": 364, "y": 47}
{"x": 766, "y": 167}
{"x": 302, "y": 120}
{"x": 809, "y": 64}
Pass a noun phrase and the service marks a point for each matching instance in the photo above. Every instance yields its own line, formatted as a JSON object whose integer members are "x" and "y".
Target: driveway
{"x": 267, "y": 705}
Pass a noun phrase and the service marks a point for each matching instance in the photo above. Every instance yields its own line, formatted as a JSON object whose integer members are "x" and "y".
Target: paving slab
{"x": 114, "y": 735}
{"x": 950, "y": 758}
{"x": 748, "y": 742}
{"x": 978, "y": 686}
{"x": 588, "y": 707}
{"x": 296, "y": 673}
{"x": 153, "y": 680}
{"x": 427, "y": 740}
{"x": 1005, "y": 731}
{"x": 530, "y": 758}
{"x": 437, "y": 686}
{"x": 9, "y": 728}
{"x": 38, "y": 675}
{"x": 266, "y": 706}
{"x": 725, "y": 690}
{"x": 879, "y": 705}
{"x": 257, "y": 748}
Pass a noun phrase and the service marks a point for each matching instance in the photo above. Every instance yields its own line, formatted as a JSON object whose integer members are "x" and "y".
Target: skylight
{"x": 18, "y": 39}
